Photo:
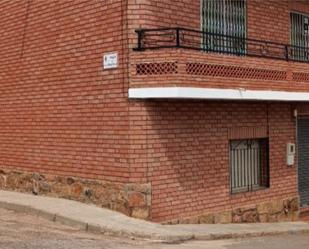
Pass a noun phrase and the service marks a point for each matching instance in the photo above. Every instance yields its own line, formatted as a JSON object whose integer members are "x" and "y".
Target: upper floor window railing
{"x": 218, "y": 43}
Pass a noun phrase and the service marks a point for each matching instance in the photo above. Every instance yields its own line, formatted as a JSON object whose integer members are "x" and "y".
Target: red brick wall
{"x": 187, "y": 142}
{"x": 162, "y": 13}
{"x": 187, "y": 155}
{"x": 198, "y": 69}
{"x": 60, "y": 112}
{"x": 299, "y": 6}
{"x": 269, "y": 21}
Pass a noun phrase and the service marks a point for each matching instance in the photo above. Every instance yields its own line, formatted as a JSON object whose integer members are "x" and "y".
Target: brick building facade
{"x": 152, "y": 137}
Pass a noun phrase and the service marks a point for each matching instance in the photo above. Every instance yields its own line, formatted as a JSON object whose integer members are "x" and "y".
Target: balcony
{"x": 184, "y": 63}
{"x": 217, "y": 43}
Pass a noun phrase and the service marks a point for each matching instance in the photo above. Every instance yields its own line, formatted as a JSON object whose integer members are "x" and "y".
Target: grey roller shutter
{"x": 303, "y": 160}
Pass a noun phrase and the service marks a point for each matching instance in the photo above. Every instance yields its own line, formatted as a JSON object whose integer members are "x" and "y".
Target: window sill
{"x": 246, "y": 191}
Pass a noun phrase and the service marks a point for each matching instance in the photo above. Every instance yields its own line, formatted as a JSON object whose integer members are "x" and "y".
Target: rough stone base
{"x": 131, "y": 199}
{"x": 273, "y": 211}
{"x": 135, "y": 199}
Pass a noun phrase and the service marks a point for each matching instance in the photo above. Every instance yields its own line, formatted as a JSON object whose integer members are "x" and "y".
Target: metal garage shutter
{"x": 303, "y": 160}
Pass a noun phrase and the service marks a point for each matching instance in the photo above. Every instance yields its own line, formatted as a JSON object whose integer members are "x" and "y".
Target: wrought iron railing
{"x": 218, "y": 43}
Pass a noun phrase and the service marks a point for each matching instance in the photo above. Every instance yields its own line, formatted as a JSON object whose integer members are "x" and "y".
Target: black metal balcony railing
{"x": 218, "y": 43}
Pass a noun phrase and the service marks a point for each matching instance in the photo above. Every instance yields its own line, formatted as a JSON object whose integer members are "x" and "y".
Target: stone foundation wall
{"x": 135, "y": 199}
{"x": 131, "y": 199}
{"x": 272, "y": 211}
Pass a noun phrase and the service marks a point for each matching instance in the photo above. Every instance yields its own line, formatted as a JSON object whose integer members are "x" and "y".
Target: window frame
{"x": 263, "y": 167}
{"x": 232, "y": 49}
{"x": 299, "y": 49}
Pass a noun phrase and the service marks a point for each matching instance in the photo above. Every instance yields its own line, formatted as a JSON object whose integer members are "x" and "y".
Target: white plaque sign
{"x": 110, "y": 60}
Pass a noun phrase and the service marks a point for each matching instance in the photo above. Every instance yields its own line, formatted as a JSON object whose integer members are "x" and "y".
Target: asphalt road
{"x": 21, "y": 231}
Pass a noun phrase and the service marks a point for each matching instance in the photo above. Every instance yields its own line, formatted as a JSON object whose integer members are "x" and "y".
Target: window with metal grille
{"x": 300, "y": 37}
{"x": 249, "y": 167}
{"x": 221, "y": 19}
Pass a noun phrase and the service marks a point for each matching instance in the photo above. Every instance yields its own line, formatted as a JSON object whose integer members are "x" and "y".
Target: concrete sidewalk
{"x": 99, "y": 220}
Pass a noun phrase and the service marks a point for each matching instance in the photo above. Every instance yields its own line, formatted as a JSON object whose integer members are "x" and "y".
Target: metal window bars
{"x": 225, "y": 17}
{"x": 218, "y": 43}
{"x": 249, "y": 168}
{"x": 300, "y": 35}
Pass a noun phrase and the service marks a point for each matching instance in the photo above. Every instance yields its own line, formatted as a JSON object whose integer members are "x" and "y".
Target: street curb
{"x": 248, "y": 235}
{"x": 90, "y": 227}
{"x": 162, "y": 237}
